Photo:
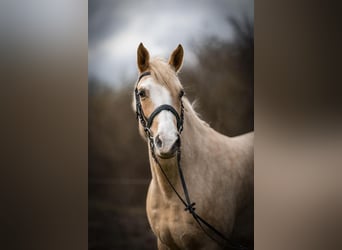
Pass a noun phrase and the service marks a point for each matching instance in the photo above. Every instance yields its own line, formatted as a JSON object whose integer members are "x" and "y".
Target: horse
{"x": 217, "y": 170}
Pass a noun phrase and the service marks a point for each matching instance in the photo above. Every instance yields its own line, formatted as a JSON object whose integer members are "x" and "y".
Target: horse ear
{"x": 176, "y": 58}
{"x": 143, "y": 58}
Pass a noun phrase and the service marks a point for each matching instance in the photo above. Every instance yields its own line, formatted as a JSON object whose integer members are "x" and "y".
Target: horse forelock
{"x": 165, "y": 75}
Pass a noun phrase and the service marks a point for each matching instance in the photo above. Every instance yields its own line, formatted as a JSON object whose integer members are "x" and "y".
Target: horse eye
{"x": 142, "y": 93}
{"x": 181, "y": 94}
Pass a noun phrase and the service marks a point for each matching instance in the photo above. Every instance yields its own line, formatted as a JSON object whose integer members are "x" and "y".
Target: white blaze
{"x": 159, "y": 95}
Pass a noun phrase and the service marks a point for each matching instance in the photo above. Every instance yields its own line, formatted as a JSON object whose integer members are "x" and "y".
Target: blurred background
{"x": 44, "y": 118}
{"x": 217, "y": 74}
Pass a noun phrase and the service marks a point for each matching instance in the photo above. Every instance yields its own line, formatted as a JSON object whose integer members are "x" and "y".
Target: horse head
{"x": 158, "y": 101}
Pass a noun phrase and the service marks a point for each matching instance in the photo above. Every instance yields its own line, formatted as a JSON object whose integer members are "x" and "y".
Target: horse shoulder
{"x": 162, "y": 219}
{"x": 174, "y": 228}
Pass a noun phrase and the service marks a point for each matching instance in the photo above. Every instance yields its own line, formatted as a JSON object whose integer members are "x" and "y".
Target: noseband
{"x": 147, "y": 122}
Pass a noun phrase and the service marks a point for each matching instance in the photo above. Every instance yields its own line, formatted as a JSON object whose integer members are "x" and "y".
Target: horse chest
{"x": 171, "y": 224}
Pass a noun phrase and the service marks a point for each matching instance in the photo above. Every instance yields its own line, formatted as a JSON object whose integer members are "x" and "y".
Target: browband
{"x": 147, "y": 73}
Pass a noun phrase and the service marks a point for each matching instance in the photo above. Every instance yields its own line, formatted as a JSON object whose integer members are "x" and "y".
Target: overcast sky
{"x": 117, "y": 27}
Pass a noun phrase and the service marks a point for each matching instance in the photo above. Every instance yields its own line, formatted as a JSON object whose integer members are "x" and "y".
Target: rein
{"x": 189, "y": 206}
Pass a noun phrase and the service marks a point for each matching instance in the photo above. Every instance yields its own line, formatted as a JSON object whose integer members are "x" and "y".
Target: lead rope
{"x": 189, "y": 206}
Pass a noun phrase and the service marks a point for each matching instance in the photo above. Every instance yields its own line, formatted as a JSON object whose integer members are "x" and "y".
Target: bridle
{"x": 146, "y": 123}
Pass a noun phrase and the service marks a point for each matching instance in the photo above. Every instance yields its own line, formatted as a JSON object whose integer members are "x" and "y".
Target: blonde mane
{"x": 192, "y": 113}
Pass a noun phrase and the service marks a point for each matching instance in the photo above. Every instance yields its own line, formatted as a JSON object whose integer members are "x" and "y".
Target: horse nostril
{"x": 158, "y": 142}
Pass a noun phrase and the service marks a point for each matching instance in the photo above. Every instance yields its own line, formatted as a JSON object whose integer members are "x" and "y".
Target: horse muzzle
{"x": 166, "y": 148}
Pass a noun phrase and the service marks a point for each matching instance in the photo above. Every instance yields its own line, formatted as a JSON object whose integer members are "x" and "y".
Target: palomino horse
{"x": 218, "y": 170}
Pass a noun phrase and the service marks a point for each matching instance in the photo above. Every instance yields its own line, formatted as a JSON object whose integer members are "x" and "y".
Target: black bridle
{"x": 189, "y": 206}
{"x": 147, "y": 122}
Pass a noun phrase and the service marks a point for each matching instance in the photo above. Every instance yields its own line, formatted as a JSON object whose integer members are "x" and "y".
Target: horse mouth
{"x": 168, "y": 155}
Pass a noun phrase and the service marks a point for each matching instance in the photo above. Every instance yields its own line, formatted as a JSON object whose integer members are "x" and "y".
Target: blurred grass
{"x": 119, "y": 171}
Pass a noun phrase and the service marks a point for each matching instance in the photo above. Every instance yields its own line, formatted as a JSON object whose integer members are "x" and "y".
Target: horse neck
{"x": 191, "y": 147}
{"x": 170, "y": 169}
